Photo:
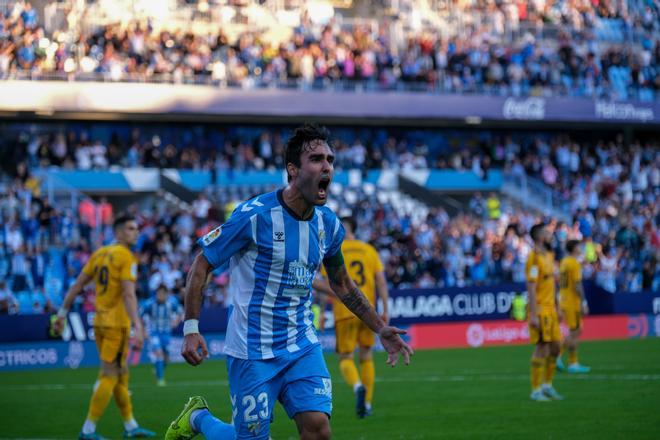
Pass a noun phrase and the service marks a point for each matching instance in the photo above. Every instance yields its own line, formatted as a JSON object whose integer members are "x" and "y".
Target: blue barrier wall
{"x": 452, "y": 304}
{"x": 148, "y": 179}
{"x": 410, "y": 306}
{"x": 25, "y": 343}
{"x": 74, "y": 354}
{"x": 449, "y": 180}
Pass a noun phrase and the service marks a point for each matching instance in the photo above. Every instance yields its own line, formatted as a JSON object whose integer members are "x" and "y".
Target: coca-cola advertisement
{"x": 524, "y": 109}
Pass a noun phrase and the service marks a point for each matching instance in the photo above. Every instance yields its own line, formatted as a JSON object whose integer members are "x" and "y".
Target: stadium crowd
{"x": 583, "y": 48}
{"x": 614, "y": 207}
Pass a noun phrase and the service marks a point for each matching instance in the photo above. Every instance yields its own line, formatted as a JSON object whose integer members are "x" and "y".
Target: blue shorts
{"x": 300, "y": 381}
{"x": 159, "y": 341}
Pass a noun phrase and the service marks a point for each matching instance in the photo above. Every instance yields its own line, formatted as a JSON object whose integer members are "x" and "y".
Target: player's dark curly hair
{"x": 301, "y": 137}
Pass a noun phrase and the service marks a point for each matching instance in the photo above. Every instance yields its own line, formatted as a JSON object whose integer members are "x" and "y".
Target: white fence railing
{"x": 533, "y": 193}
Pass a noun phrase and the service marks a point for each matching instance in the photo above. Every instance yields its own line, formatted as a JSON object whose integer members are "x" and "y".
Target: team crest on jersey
{"x": 321, "y": 236}
{"x": 212, "y": 236}
{"x": 300, "y": 276}
{"x": 327, "y": 388}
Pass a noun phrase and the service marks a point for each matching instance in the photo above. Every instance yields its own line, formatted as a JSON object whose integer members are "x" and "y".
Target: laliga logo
{"x": 530, "y": 108}
{"x": 638, "y": 326}
{"x": 475, "y": 335}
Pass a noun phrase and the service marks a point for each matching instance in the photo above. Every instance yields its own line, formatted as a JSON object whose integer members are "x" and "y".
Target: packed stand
{"x": 237, "y": 148}
{"x": 471, "y": 248}
{"x": 614, "y": 199}
{"x": 612, "y": 190}
{"x": 43, "y": 247}
{"x": 543, "y": 48}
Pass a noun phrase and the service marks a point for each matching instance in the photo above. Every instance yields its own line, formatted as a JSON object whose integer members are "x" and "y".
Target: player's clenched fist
{"x": 194, "y": 349}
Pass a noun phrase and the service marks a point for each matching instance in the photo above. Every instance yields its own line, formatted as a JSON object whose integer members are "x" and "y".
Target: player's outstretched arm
{"x": 74, "y": 290}
{"x": 346, "y": 290}
{"x": 194, "y": 348}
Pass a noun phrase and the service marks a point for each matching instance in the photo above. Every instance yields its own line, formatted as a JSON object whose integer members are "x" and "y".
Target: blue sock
{"x": 160, "y": 369}
{"x": 212, "y": 427}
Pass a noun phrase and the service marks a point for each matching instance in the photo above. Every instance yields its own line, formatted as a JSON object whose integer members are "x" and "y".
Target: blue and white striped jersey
{"x": 159, "y": 317}
{"x": 273, "y": 256}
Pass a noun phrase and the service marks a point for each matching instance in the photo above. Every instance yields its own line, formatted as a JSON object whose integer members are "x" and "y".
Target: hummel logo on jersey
{"x": 234, "y": 410}
{"x": 278, "y": 236}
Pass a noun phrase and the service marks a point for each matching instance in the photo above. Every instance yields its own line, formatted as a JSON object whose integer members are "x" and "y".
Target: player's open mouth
{"x": 323, "y": 187}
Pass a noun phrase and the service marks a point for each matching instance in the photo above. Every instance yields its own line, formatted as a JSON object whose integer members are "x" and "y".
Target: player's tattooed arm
{"x": 195, "y": 283}
{"x": 354, "y": 299}
{"x": 346, "y": 290}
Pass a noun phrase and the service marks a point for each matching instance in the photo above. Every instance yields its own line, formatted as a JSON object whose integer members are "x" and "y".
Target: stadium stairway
{"x": 453, "y": 203}
{"x": 175, "y": 190}
{"x": 533, "y": 194}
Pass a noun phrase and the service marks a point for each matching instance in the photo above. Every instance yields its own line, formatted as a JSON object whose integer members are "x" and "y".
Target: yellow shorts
{"x": 351, "y": 332}
{"x": 548, "y": 330}
{"x": 112, "y": 344}
{"x": 573, "y": 318}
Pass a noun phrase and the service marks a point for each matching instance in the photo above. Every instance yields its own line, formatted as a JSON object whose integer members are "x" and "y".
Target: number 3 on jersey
{"x": 250, "y": 404}
{"x": 357, "y": 269}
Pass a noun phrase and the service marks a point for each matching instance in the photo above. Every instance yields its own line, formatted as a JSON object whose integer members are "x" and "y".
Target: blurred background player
{"x": 573, "y": 305}
{"x": 113, "y": 269}
{"x": 544, "y": 329}
{"x": 161, "y": 315}
{"x": 366, "y": 269}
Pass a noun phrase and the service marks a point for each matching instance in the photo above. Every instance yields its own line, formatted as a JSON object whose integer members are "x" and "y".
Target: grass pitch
{"x": 444, "y": 394}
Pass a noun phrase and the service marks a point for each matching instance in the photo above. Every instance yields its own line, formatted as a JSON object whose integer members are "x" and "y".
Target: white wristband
{"x": 61, "y": 313}
{"x": 190, "y": 326}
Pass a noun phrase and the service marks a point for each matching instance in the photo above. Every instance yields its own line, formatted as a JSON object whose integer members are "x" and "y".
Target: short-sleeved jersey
{"x": 273, "y": 256}
{"x": 109, "y": 266}
{"x": 570, "y": 274}
{"x": 363, "y": 263}
{"x": 540, "y": 270}
{"x": 159, "y": 317}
